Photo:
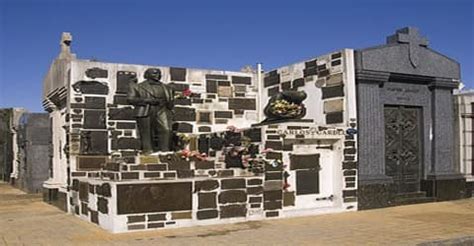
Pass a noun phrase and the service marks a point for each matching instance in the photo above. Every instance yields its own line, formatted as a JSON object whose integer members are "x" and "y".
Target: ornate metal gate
{"x": 403, "y": 147}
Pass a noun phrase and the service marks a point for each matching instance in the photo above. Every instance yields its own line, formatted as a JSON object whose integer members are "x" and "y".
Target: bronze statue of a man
{"x": 153, "y": 103}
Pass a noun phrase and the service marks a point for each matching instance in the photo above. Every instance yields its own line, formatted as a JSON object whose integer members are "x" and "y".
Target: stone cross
{"x": 66, "y": 39}
{"x": 410, "y": 36}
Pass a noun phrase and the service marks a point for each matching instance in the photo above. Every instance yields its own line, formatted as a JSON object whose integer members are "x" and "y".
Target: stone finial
{"x": 410, "y": 36}
{"x": 66, "y": 40}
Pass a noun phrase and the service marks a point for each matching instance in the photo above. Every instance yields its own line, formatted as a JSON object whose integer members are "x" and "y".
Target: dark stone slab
{"x": 157, "y": 197}
{"x": 255, "y": 134}
{"x": 204, "y": 129}
{"x": 211, "y": 86}
{"x": 197, "y": 100}
{"x": 94, "y": 119}
{"x": 125, "y": 125}
{"x": 184, "y": 114}
{"x": 254, "y": 182}
{"x": 216, "y": 142}
{"x": 95, "y": 102}
{"x": 225, "y": 173}
{"x": 136, "y": 227}
{"x": 182, "y": 174}
{"x": 272, "y": 205}
{"x": 121, "y": 113}
{"x": 120, "y": 100}
{"x": 204, "y": 118}
{"x": 232, "y": 184}
{"x": 273, "y": 195}
{"x": 178, "y": 86}
{"x": 349, "y": 172}
{"x": 223, "y": 114}
{"x": 272, "y": 214}
{"x": 335, "y": 117}
{"x": 125, "y": 143}
{"x": 156, "y": 217}
{"x": 307, "y": 182}
{"x": 96, "y": 73}
{"x": 336, "y": 63}
{"x": 289, "y": 199}
{"x": 124, "y": 79}
{"x": 155, "y": 167}
{"x": 178, "y": 74}
{"x": 203, "y": 144}
{"x": 241, "y": 80}
{"x": 286, "y": 85}
{"x": 135, "y": 218}
{"x": 232, "y": 196}
{"x": 91, "y": 87}
{"x": 312, "y": 63}
{"x": 217, "y": 76}
{"x": 349, "y": 193}
{"x": 112, "y": 166}
{"x": 90, "y": 162}
{"x": 232, "y": 211}
{"x": 204, "y": 164}
{"x": 349, "y": 165}
{"x": 78, "y": 174}
{"x": 94, "y": 143}
{"x": 206, "y": 185}
{"x": 182, "y": 101}
{"x": 183, "y": 127}
{"x": 333, "y": 91}
{"x": 152, "y": 174}
{"x": 84, "y": 209}
{"x": 271, "y": 80}
{"x": 298, "y": 83}
{"x": 336, "y": 55}
{"x": 207, "y": 214}
{"x": 207, "y": 200}
{"x": 255, "y": 199}
{"x": 242, "y": 103}
{"x": 304, "y": 161}
{"x": 275, "y": 145}
{"x": 223, "y": 83}
{"x": 351, "y": 151}
{"x": 84, "y": 191}
{"x": 155, "y": 225}
{"x": 310, "y": 71}
{"x": 104, "y": 190}
{"x": 274, "y": 156}
{"x": 349, "y": 143}
{"x": 94, "y": 216}
{"x": 323, "y": 73}
{"x": 255, "y": 190}
{"x": 130, "y": 175}
{"x": 273, "y": 91}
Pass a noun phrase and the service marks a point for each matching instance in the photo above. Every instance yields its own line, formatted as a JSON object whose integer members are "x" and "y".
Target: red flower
{"x": 187, "y": 92}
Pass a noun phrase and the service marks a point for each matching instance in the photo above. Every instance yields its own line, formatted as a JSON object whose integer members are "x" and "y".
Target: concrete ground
{"x": 26, "y": 220}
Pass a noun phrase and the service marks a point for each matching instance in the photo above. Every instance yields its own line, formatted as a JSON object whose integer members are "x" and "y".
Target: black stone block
{"x": 96, "y": 73}
{"x": 349, "y": 193}
{"x": 286, "y": 85}
{"x": 91, "y": 162}
{"x": 157, "y": 197}
{"x": 321, "y": 67}
{"x": 178, "y": 74}
{"x": 124, "y": 80}
{"x": 207, "y": 200}
{"x": 204, "y": 164}
{"x": 298, "y": 83}
{"x": 255, "y": 134}
{"x": 204, "y": 129}
{"x": 274, "y": 195}
{"x": 272, "y": 205}
{"x": 336, "y": 55}
{"x": 91, "y": 87}
{"x": 223, "y": 83}
{"x": 125, "y": 143}
{"x": 232, "y": 184}
{"x": 242, "y": 103}
{"x": 203, "y": 144}
{"x": 102, "y": 205}
{"x": 178, "y": 86}
{"x": 94, "y": 119}
{"x": 223, "y": 114}
{"x": 271, "y": 80}
{"x": 304, "y": 161}
{"x": 94, "y": 143}
{"x": 307, "y": 182}
{"x": 130, "y": 175}
{"x": 217, "y": 76}
{"x": 232, "y": 196}
{"x": 225, "y": 173}
{"x": 232, "y": 211}
{"x": 216, "y": 142}
{"x": 323, "y": 73}
{"x": 120, "y": 100}
{"x": 155, "y": 225}
{"x": 255, "y": 190}
{"x": 104, "y": 190}
{"x": 156, "y": 217}
{"x": 211, "y": 86}
{"x": 182, "y": 101}
{"x": 241, "y": 80}
{"x": 125, "y": 125}
{"x": 335, "y": 117}
{"x": 273, "y": 176}
{"x": 183, "y": 174}
{"x": 273, "y": 91}
{"x": 94, "y": 216}
{"x": 310, "y": 71}
{"x": 183, "y": 127}
{"x": 275, "y": 145}
{"x": 272, "y": 214}
{"x": 312, "y": 63}
{"x": 351, "y": 151}
{"x": 184, "y": 114}
{"x": 336, "y": 63}
{"x": 84, "y": 191}
{"x": 232, "y": 138}
{"x": 255, "y": 199}
{"x": 349, "y": 165}
{"x": 206, "y": 185}
{"x": 121, "y": 113}
{"x": 197, "y": 100}
{"x": 254, "y": 182}
{"x": 207, "y": 214}
{"x": 95, "y": 103}
{"x": 274, "y": 156}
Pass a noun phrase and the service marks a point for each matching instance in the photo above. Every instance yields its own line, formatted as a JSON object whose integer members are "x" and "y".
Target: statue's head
{"x": 153, "y": 74}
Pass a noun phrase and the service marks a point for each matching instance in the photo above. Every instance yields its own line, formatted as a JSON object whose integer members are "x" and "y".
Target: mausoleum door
{"x": 403, "y": 147}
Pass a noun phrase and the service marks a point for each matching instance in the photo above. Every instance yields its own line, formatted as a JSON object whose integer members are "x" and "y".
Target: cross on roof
{"x": 410, "y": 36}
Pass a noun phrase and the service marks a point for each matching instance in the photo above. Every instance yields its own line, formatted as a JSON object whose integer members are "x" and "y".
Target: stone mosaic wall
{"x": 101, "y": 122}
{"x": 327, "y": 82}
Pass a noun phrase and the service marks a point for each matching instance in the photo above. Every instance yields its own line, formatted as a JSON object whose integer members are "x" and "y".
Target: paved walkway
{"x": 26, "y": 220}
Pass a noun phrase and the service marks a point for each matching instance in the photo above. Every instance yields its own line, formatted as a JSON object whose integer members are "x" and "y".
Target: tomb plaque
{"x": 304, "y": 161}
{"x": 158, "y": 197}
{"x": 307, "y": 182}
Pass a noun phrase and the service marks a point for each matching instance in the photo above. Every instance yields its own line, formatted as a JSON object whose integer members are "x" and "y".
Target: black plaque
{"x": 307, "y": 182}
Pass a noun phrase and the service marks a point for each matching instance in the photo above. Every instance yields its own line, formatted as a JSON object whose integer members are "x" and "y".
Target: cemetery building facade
{"x": 344, "y": 131}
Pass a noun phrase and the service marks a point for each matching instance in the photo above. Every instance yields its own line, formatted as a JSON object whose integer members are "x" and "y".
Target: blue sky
{"x": 213, "y": 34}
